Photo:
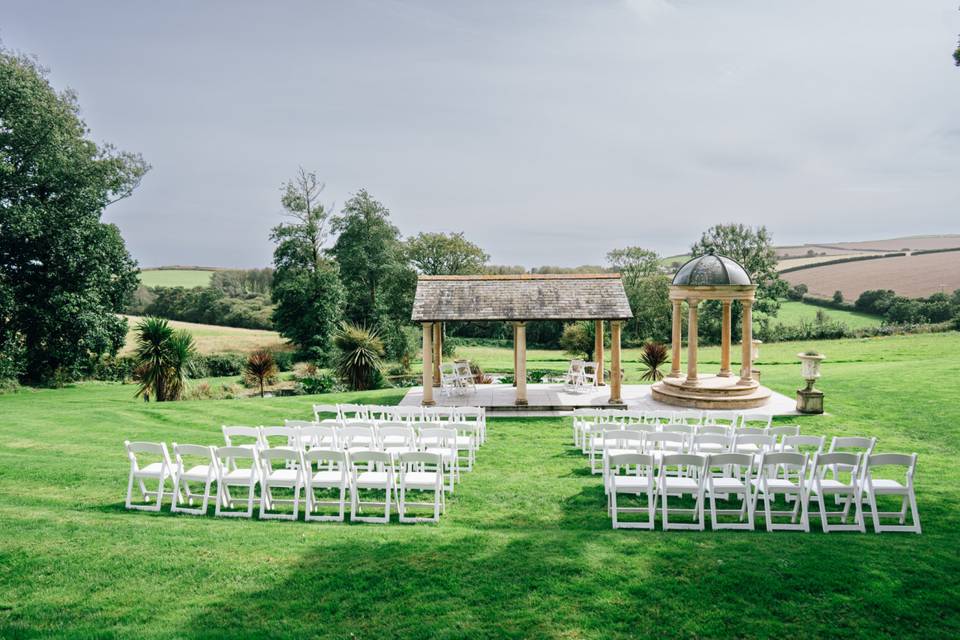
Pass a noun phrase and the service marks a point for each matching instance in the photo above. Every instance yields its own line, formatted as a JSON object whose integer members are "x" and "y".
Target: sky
{"x": 548, "y": 132}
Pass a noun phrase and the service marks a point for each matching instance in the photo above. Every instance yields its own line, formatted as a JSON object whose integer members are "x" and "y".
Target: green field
{"x": 211, "y": 338}
{"x": 792, "y": 312}
{"x": 525, "y": 549}
{"x": 175, "y": 277}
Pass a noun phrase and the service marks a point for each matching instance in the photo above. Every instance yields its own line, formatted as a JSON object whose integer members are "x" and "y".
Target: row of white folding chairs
{"x": 584, "y": 419}
{"x": 298, "y": 434}
{"x": 799, "y": 476}
{"x": 346, "y": 413}
{"x": 316, "y": 469}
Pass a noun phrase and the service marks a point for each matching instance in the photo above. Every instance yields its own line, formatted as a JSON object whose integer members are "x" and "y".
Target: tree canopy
{"x": 64, "y": 274}
{"x": 442, "y": 254}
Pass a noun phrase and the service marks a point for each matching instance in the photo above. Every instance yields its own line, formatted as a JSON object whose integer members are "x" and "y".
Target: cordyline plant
{"x": 260, "y": 368}
{"x": 162, "y": 356}
{"x": 360, "y": 358}
{"x": 653, "y": 355}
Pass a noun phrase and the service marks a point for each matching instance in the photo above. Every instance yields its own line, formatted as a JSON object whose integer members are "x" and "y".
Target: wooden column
{"x": 514, "y": 354}
{"x": 427, "y": 363}
{"x": 746, "y": 369}
{"x": 692, "y": 342}
{"x": 616, "y": 377}
{"x": 725, "y": 341}
{"x": 437, "y": 351}
{"x": 520, "y": 371}
{"x": 598, "y": 350}
{"x": 676, "y": 340}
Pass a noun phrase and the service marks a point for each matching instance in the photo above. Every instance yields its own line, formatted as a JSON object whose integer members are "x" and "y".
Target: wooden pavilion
{"x": 518, "y": 299}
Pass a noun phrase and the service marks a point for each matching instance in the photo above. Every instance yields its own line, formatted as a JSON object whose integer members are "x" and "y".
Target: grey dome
{"x": 711, "y": 270}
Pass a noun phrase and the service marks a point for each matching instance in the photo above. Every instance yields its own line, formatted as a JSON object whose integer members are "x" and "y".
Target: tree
{"x": 634, "y": 264}
{"x": 445, "y": 254}
{"x": 838, "y": 296}
{"x": 162, "y": 356}
{"x": 578, "y": 339}
{"x": 306, "y": 286}
{"x": 64, "y": 275}
{"x": 360, "y": 356}
{"x": 260, "y": 367}
{"x": 367, "y": 250}
{"x": 753, "y": 249}
{"x": 647, "y": 290}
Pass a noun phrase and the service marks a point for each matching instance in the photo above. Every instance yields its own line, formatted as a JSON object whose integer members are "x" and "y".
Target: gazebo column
{"x": 520, "y": 371}
{"x": 615, "y": 372}
{"x": 692, "y": 342}
{"x": 514, "y": 353}
{"x": 437, "y": 351}
{"x": 427, "y": 364}
{"x": 598, "y": 350}
{"x": 676, "y": 340}
{"x": 746, "y": 372}
{"x": 725, "y": 341}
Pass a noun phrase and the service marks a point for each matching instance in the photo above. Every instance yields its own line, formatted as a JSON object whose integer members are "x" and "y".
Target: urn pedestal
{"x": 810, "y": 399}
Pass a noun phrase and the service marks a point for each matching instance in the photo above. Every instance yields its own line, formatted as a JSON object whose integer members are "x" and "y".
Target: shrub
{"x": 261, "y": 368}
{"x": 838, "y": 297}
{"x": 653, "y": 356}
{"x": 162, "y": 356}
{"x": 360, "y": 359}
{"x": 310, "y": 380}
{"x": 224, "y": 364}
{"x": 284, "y": 360}
{"x": 113, "y": 368}
{"x": 577, "y": 339}
{"x": 797, "y": 292}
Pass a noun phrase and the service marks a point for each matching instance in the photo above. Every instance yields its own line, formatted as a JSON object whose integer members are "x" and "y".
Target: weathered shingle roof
{"x": 521, "y": 297}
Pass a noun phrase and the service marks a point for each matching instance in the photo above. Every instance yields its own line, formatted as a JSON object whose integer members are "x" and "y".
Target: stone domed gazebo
{"x": 711, "y": 277}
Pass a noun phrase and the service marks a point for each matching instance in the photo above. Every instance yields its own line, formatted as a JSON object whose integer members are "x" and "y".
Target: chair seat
{"x": 727, "y": 484}
{"x": 198, "y": 473}
{"x": 887, "y": 486}
{"x": 421, "y": 480}
{"x": 445, "y": 453}
{"x": 393, "y": 440}
{"x": 283, "y": 476}
{"x": 328, "y": 478}
{"x": 686, "y": 485}
{"x": 373, "y": 480}
{"x": 240, "y": 476}
{"x": 152, "y": 470}
{"x": 711, "y": 447}
{"x": 832, "y": 486}
{"x": 617, "y": 452}
{"x": 630, "y": 484}
{"x": 777, "y": 485}
{"x": 463, "y": 442}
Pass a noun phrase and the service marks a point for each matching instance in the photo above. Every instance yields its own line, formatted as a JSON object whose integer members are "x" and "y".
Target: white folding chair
{"x": 474, "y": 414}
{"x": 326, "y": 414}
{"x": 686, "y": 478}
{"x": 846, "y": 490}
{"x": 850, "y": 444}
{"x": 581, "y": 419}
{"x": 710, "y": 444}
{"x": 724, "y": 479}
{"x": 619, "y": 441}
{"x": 370, "y": 471}
{"x": 357, "y": 436}
{"x": 407, "y": 415}
{"x": 660, "y": 444}
{"x": 464, "y": 374}
{"x": 289, "y": 477}
{"x": 436, "y": 415}
{"x": 323, "y": 436}
{"x": 202, "y": 468}
{"x": 397, "y": 437}
{"x": 353, "y": 413}
{"x": 756, "y": 419}
{"x": 783, "y": 431}
{"x": 230, "y": 474}
{"x": 686, "y": 430}
{"x": 377, "y": 413}
{"x": 728, "y": 419}
{"x": 467, "y": 438}
{"x": 248, "y": 437}
{"x": 272, "y": 437}
{"x": 449, "y": 382}
{"x": 774, "y": 477}
{"x": 589, "y": 374}
{"x": 874, "y": 487}
{"x": 443, "y": 442}
{"x": 160, "y": 471}
{"x": 573, "y": 379}
{"x": 640, "y": 482}
{"x": 333, "y": 474}
{"x": 714, "y": 430}
{"x": 420, "y": 471}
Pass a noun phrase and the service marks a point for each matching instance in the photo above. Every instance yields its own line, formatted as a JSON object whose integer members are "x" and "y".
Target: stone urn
{"x": 809, "y": 399}
{"x": 754, "y": 356}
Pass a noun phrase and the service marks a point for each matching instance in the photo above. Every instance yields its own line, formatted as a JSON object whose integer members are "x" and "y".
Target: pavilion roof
{"x": 521, "y": 297}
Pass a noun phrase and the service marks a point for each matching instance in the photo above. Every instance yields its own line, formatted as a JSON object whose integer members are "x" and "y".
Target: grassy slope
{"x": 792, "y": 312}
{"x": 175, "y": 277}
{"x": 211, "y": 338}
{"x": 525, "y": 549}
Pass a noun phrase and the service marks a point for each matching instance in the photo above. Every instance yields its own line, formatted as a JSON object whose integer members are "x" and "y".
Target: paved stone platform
{"x": 552, "y": 399}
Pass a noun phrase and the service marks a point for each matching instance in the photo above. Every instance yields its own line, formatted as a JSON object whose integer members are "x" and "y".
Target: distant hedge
{"x": 827, "y": 263}
{"x": 926, "y": 251}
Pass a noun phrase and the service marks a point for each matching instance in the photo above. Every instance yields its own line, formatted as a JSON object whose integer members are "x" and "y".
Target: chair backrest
{"x": 686, "y": 416}
{"x": 353, "y": 412}
{"x": 623, "y": 439}
{"x": 438, "y": 414}
{"x": 710, "y": 439}
{"x": 321, "y": 456}
{"x": 722, "y": 418}
{"x": 226, "y": 457}
{"x": 625, "y": 460}
{"x": 679, "y": 427}
{"x": 660, "y": 417}
{"x": 640, "y": 427}
{"x": 379, "y": 412}
{"x": 809, "y": 444}
{"x": 318, "y": 436}
{"x": 438, "y": 437}
{"x": 396, "y": 434}
{"x": 472, "y": 414}
{"x": 230, "y": 434}
{"x": 694, "y": 460}
{"x": 147, "y": 448}
{"x": 713, "y": 430}
{"x": 590, "y": 372}
{"x": 844, "y": 461}
{"x": 771, "y": 462}
{"x": 744, "y": 460}
{"x": 633, "y": 416}
{"x": 325, "y": 411}
{"x": 288, "y": 437}
{"x": 855, "y": 443}
{"x": 357, "y": 434}
{"x": 908, "y": 460}
{"x": 784, "y": 431}
{"x": 575, "y": 366}
{"x": 411, "y": 458}
{"x": 762, "y": 442}
{"x": 364, "y": 457}
{"x": 408, "y": 414}
{"x": 654, "y": 441}
{"x": 300, "y": 424}
{"x": 756, "y": 419}
{"x": 750, "y": 431}
{"x": 192, "y": 450}
{"x": 288, "y": 455}
{"x": 462, "y": 368}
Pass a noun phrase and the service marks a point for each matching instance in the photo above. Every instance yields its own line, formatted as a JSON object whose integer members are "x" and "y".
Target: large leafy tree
{"x": 445, "y": 254}
{"x": 753, "y": 249}
{"x": 369, "y": 253}
{"x": 306, "y": 289}
{"x": 647, "y": 289}
{"x": 64, "y": 274}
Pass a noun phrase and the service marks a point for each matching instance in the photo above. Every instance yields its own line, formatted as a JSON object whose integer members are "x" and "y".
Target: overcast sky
{"x": 548, "y": 132}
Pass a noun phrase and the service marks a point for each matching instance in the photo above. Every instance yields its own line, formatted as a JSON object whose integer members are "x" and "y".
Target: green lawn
{"x": 524, "y": 550}
{"x": 792, "y": 312}
{"x": 175, "y": 277}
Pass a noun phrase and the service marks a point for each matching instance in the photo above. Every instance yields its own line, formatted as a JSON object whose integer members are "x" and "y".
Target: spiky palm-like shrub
{"x": 261, "y": 367}
{"x": 360, "y": 356}
{"x": 162, "y": 356}
{"x": 653, "y": 355}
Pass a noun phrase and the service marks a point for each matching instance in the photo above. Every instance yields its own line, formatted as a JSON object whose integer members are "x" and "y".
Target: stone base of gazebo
{"x": 711, "y": 392}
